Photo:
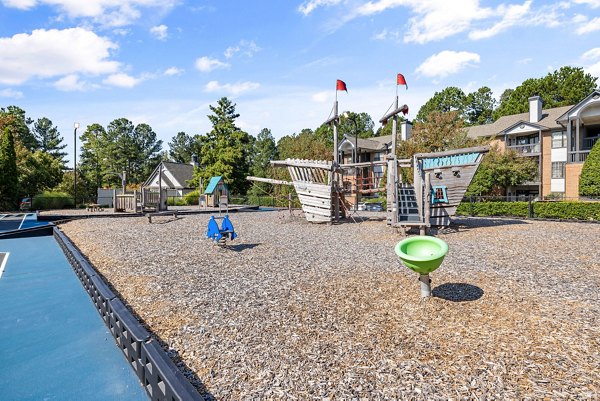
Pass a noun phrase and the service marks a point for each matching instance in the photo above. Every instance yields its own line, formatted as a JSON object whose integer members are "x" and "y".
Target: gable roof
{"x": 181, "y": 173}
{"x": 548, "y": 121}
{"x": 376, "y": 143}
{"x": 212, "y": 185}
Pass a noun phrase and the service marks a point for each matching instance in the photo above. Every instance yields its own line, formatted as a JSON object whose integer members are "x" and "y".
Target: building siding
{"x": 573, "y": 171}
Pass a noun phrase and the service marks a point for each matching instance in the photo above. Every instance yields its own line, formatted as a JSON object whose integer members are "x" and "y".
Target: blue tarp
{"x": 212, "y": 185}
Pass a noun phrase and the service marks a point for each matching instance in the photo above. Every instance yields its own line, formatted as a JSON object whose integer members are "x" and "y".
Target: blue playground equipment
{"x": 220, "y": 234}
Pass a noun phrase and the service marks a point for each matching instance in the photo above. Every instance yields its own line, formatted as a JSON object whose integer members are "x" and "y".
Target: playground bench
{"x": 169, "y": 213}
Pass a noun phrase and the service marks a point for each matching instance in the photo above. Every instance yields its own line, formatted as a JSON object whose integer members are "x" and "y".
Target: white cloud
{"x": 159, "y": 32}
{"x": 525, "y": 61}
{"x": 233, "y": 89}
{"x": 105, "y": 12}
{"x": 591, "y": 54}
{"x": 11, "y": 93}
{"x": 591, "y": 3}
{"x": 122, "y": 80}
{"x": 51, "y": 53}
{"x": 309, "y": 6}
{"x": 71, "y": 83}
{"x": 207, "y": 64}
{"x": 246, "y": 47}
{"x": 20, "y": 4}
{"x": 437, "y": 20}
{"x": 387, "y": 35}
{"x": 173, "y": 71}
{"x": 587, "y": 27}
{"x": 322, "y": 97}
{"x": 446, "y": 63}
{"x": 511, "y": 15}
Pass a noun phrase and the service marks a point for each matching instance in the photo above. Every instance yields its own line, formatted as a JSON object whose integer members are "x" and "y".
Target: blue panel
{"x": 54, "y": 344}
{"x": 212, "y": 185}
{"x": 439, "y": 190}
{"x": 454, "y": 160}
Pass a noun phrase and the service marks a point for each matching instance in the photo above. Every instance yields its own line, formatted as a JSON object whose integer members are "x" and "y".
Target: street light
{"x": 75, "y": 125}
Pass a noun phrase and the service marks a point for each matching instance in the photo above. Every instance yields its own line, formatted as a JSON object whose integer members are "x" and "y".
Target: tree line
{"x": 32, "y": 156}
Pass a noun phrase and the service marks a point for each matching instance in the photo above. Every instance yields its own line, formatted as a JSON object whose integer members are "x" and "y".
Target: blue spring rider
{"x": 225, "y": 232}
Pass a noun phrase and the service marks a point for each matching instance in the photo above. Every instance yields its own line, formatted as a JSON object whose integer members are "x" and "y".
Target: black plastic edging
{"x": 157, "y": 373}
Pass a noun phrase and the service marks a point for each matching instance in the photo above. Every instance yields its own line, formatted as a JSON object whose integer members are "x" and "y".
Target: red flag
{"x": 401, "y": 80}
{"x": 340, "y": 86}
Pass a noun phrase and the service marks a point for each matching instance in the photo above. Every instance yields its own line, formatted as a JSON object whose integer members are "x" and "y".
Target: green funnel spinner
{"x": 422, "y": 254}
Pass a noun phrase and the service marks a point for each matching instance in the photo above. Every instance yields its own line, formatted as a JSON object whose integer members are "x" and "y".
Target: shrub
{"x": 52, "y": 200}
{"x": 546, "y": 210}
{"x": 589, "y": 182}
{"x": 191, "y": 198}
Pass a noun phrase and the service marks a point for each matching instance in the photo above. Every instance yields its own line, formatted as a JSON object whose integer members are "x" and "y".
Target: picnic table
{"x": 94, "y": 207}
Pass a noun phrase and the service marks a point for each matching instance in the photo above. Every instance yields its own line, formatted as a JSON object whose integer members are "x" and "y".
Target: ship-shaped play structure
{"x": 328, "y": 190}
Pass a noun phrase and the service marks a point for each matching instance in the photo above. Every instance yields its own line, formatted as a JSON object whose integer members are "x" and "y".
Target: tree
{"x": 479, "y": 106}
{"x": 8, "y": 172}
{"x": 499, "y": 170}
{"x": 227, "y": 149}
{"x": 38, "y": 171}
{"x": 449, "y": 99}
{"x": 589, "y": 181}
{"x": 121, "y": 147}
{"x": 305, "y": 145}
{"x": 441, "y": 131}
{"x": 20, "y": 127}
{"x": 49, "y": 139}
{"x": 264, "y": 151}
{"x": 563, "y": 87}
{"x": 182, "y": 147}
{"x": 91, "y": 153}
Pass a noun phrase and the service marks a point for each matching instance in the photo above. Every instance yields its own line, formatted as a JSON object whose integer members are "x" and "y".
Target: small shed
{"x": 215, "y": 190}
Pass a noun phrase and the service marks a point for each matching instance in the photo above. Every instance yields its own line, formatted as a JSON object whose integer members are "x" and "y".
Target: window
{"x": 377, "y": 157}
{"x": 439, "y": 194}
{"x": 558, "y": 169}
{"x": 559, "y": 139}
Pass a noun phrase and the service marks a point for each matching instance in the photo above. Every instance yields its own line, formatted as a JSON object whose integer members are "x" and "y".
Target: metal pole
{"x": 425, "y": 285}
{"x": 75, "y": 126}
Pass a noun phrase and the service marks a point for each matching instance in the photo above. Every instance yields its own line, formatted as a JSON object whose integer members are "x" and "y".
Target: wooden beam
{"x": 393, "y": 113}
{"x": 270, "y": 181}
{"x": 301, "y": 163}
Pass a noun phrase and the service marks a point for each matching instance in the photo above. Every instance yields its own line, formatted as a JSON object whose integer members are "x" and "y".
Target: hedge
{"x": 546, "y": 210}
{"x": 52, "y": 200}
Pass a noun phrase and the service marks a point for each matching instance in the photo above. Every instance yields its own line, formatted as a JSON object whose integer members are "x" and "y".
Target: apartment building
{"x": 559, "y": 139}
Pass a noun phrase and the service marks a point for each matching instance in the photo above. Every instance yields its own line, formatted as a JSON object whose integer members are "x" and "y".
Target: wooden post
{"x": 290, "y": 202}
{"x": 427, "y": 200}
{"x": 115, "y": 200}
{"x": 336, "y": 161}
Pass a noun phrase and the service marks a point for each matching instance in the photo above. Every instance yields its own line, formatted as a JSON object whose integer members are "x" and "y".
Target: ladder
{"x": 408, "y": 211}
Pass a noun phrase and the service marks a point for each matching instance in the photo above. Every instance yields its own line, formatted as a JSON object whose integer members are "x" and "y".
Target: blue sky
{"x": 163, "y": 62}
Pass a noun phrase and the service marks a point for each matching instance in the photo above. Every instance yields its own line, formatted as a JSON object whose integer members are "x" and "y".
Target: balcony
{"x": 579, "y": 156}
{"x": 532, "y": 149}
{"x": 588, "y": 143}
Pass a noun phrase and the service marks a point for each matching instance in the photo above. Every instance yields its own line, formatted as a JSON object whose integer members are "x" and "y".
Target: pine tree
{"x": 227, "y": 149}
{"x": 8, "y": 172}
{"x": 49, "y": 139}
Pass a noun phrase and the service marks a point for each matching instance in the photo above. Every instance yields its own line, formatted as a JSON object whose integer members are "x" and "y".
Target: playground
{"x": 291, "y": 309}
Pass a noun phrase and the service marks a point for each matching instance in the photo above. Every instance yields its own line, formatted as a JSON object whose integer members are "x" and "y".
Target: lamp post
{"x": 75, "y": 126}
